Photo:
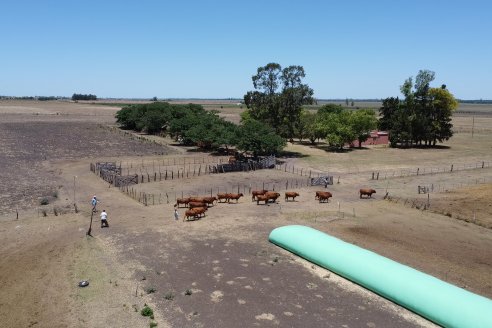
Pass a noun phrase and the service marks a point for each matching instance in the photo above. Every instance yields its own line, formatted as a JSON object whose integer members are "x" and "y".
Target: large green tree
{"x": 423, "y": 117}
{"x": 362, "y": 123}
{"x": 278, "y": 97}
{"x": 258, "y": 138}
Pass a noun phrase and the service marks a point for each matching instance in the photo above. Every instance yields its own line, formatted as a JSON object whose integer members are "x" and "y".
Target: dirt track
{"x": 235, "y": 277}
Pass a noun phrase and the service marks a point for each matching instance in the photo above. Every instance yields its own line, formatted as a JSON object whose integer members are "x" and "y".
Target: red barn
{"x": 376, "y": 138}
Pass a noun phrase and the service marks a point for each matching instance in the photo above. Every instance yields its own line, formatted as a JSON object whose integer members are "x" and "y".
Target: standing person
{"x": 104, "y": 219}
{"x": 94, "y": 202}
{"x": 176, "y": 214}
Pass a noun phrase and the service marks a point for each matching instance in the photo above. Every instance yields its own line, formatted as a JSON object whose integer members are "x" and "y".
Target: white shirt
{"x": 104, "y": 215}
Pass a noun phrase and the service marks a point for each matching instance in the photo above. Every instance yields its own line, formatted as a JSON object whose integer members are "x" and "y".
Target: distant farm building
{"x": 376, "y": 138}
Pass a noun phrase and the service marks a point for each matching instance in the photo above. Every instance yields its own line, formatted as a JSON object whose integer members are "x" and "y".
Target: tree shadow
{"x": 436, "y": 147}
{"x": 291, "y": 154}
{"x": 331, "y": 149}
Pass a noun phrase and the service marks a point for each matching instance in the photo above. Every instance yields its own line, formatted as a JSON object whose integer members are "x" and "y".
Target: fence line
{"x": 376, "y": 175}
{"x": 173, "y": 161}
{"x": 299, "y": 170}
{"x": 185, "y": 171}
{"x": 442, "y": 187}
{"x": 148, "y": 199}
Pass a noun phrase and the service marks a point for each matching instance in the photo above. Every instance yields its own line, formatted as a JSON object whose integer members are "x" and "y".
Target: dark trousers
{"x": 104, "y": 223}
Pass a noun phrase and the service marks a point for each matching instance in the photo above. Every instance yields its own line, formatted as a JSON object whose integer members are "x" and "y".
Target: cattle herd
{"x": 197, "y": 206}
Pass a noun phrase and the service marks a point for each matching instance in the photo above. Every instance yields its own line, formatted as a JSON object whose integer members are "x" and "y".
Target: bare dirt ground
{"x": 219, "y": 271}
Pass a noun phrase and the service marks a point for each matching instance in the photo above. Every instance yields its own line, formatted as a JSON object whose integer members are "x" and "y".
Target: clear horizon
{"x": 210, "y": 50}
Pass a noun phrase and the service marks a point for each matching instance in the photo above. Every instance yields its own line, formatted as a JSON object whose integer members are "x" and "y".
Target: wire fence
{"x": 167, "y": 197}
{"x": 377, "y": 175}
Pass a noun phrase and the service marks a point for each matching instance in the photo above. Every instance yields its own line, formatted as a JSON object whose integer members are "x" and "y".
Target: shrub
{"x": 150, "y": 290}
{"x": 188, "y": 292}
{"x": 152, "y": 324}
{"x": 44, "y": 201}
{"x": 146, "y": 311}
{"x": 169, "y": 296}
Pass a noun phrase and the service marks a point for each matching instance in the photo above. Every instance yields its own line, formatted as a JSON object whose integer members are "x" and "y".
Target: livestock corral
{"x": 217, "y": 269}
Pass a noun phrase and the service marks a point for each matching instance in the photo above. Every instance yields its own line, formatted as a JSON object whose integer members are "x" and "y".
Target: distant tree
{"x": 76, "y": 96}
{"x": 154, "y": 99}
{"x": 443, "y": 105}
{"x": 258, "y": 138}
{"x": 330, "y": 109}
{"x": 362, "y": 123}
{"x": 352, "y": 103}
{"x": 279, "y": 97}
{"x": 346, "y": 102}
{"x": 305, "y": 128}
{"x": 339, "y": 131}
{"x": 212, "y": 131}
{"x": 423, "y": 117}
{"x": 264, "y": 103}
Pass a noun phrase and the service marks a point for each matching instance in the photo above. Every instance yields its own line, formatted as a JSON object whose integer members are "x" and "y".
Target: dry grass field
{"x": 221, "y": 271}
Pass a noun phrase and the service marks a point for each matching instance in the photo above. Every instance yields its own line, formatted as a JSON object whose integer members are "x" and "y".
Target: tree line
{"x": 278, "y": 101}
{"x": 77, "y": 96}
{"x": 276, "y": 112}
{"x": 191, "y": 125}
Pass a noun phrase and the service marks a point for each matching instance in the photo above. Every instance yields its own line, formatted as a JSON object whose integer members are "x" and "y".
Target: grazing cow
{"x": 221, "y": 196}
{"x": 272, "y": 195}
{"x": 290, "y": 194}
{"x": 367, "y": 192}
{"x": 189, "y": 214}
{"x": 324, "y": 196}
{"x": 194, "y": 213}
{"x": 184, "y": 201}
{"x": 210, "y": 200}
{"x": 255, "y": 193}
{"x": 197, "y": 204}
{"x": 262, "y": 198}
{"x": 197, "y": 199}
{"x": 234, "y": 196}
{"x": 199, "y": 211}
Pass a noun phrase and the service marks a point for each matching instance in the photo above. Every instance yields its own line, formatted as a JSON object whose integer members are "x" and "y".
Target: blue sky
{"x": 210, "y": 49}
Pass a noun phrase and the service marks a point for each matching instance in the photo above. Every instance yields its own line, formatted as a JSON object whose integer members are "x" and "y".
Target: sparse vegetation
{"x": 188, "y": 292}
{"x": 150, "y": 290}
{"x": 146, "y": 311}
{"x": 152, "y": 324}
{"x": 44, "y": 201}
{"x": 169, "y": 296}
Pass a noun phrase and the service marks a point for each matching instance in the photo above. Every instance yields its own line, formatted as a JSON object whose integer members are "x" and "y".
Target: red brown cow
{"x": 262, "y": 198}
{"x": 197, "y": 204}
{"x": 272, "y": 195}
{"x": 324, "y": 196}
{"x": 367, "y": 192}
{"x": 199, "y": 211}
{"x": 234, "y": 196}
{"x": 189, "y": 214}
{"x": 184, "y": 201}
{"x": 194, "y": 213}
{"x": 197, "y": 199}
{"x": 255, "y": 193}
{"x": 221, "y": 196}
{"x": 210, "y": 200}
{"x": 291, "y": 194}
